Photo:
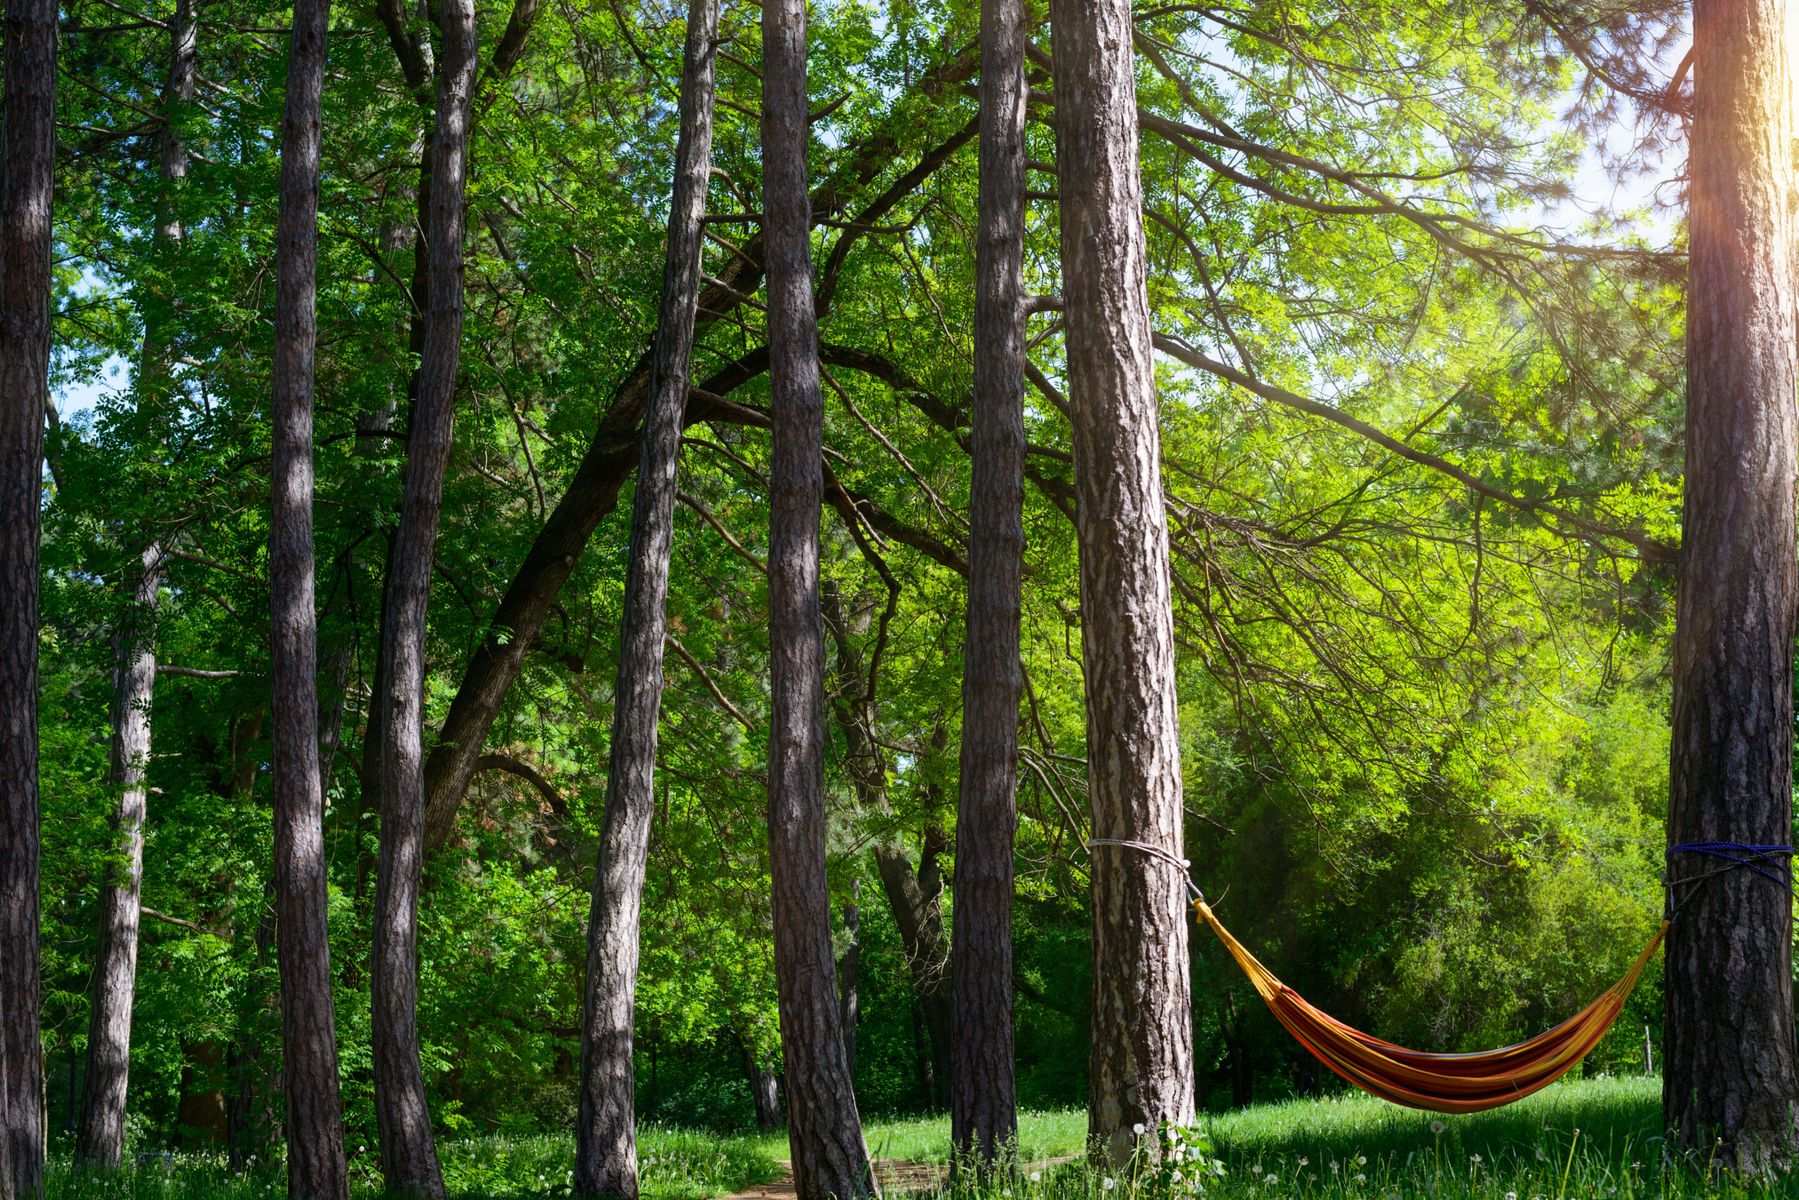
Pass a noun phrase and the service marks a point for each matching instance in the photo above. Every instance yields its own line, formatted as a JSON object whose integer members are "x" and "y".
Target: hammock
{"x": 1449, "y": 1083}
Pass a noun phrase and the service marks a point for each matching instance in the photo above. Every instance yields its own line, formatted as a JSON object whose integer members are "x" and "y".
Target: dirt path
{"x": 896, "y": 1177}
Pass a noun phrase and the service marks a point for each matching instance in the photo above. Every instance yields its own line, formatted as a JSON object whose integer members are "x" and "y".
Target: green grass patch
{"x": 673, "y": 1164}
{"x": 1596, "y": 1139}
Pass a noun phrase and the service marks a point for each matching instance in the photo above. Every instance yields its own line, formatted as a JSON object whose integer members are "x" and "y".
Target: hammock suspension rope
{"x": 1475, "y": 1081}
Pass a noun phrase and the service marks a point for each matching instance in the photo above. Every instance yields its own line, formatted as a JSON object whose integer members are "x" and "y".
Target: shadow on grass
{"x": 1617, "y": 1118}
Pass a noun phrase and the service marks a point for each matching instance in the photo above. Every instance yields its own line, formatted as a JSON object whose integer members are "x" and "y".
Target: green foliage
{"x": 1422, "y": 719}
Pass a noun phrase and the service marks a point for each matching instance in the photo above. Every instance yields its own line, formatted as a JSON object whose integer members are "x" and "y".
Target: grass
{"x": 673, "y": 1164}
{"x": 1596, "y": 1139}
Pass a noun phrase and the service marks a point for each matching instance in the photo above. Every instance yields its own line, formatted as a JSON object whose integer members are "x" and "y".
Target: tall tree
{"x": 1142, "y": 1055}
{"x": 27, "y": 163}
{"x": 606, "y": 1132}
{"x": 316, "y": 1169}
{"x": 100, "y": 1138}
{"x": 403, "y": 1117}
{"x": 830, "y": 1158}
{"x": 1729, "y": 1069}
{"x": 983, "y": 1105}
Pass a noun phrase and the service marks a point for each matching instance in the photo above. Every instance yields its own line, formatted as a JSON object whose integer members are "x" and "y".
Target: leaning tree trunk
{"x": 914, "y": 896}
{"x": 1142, "y": 1056}
{"x": 983, "y": 1103}
{"x": 1729, "y": 1073}
{"x": 315, "y": 1137}
{"x": 101, "y": 1137}
{"x": 830, "y": 1158}
{"x": 27, "y": 162}
{"x": 606, "y": 1131}
{"x": 402, "y": 1116}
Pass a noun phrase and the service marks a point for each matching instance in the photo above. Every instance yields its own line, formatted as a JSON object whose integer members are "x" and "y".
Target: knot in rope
{"x": 1771, "y": 862}
{"x": 1179, "y": 864}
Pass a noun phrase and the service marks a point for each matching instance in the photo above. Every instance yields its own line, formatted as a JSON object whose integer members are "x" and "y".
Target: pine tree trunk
{"x": 606, "y": 1129}
{"x": 830, "y": 1158}
{"x": 402, "y": 1114}
{"x": 1729, "y": 1069}
{"x": 1142, "y": 1056}
{"x": 101, "y": 1136}
{"x": 983, "y": 1104}
{"x": 315, "y": 1148}
{"x": 27, "y": 161}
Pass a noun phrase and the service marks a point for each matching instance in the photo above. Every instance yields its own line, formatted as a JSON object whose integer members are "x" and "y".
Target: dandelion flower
{"x": 1361, "y": 1178}
{"x": 1108, "y": 1183}
{"x": 1137, "y": 1129}
{"x": 1304, "y": 1161}
{"x": 1271, "y": 1179}
{"x": 1037, "y": 1177}
{"x": 1436, "y": 1127}
{"x": 1511, "y": 1196}
{"x": 1361, "y": 1160}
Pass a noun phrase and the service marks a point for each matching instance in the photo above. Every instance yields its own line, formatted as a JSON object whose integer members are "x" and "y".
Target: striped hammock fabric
{"x": 1449, "y": 1083}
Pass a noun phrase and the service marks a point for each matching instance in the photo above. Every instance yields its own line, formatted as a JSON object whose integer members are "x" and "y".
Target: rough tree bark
{"x": 830, "y": 1158}
{"x": 315, "y": 1138}
{"x": 27, "y": 162}
{"x": 1729, "y": 1071}
{"x": 100, "y": 1139}
{"x": 1142, "y": 1056}
{"x": 403, "y": 1117}
{"x": 983, "y": 1105}
{"x": 606, "y": 1129}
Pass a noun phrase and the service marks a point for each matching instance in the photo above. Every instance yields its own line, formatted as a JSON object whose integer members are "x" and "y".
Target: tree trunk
{"x": 849, "y": 977}
{"x": 315, "y": 1148}
{"x": 765, "y": 1093}
{"x": 606, "y": 1129}
{"x": 1729, "y": 1068}
{"x": 916, "y": 899}
{"x": 101, "y": 1138}
{"x": 1142, "y": 1057}
{"x": 403, "y": 1118}
{"x": 983, "y": 1103}
{"x": 27, "y": 161}
{"x": 830, "y": 1158}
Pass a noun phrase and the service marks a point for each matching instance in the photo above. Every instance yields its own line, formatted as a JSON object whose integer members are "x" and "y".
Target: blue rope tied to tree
{"x": 1756, "y": 859}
